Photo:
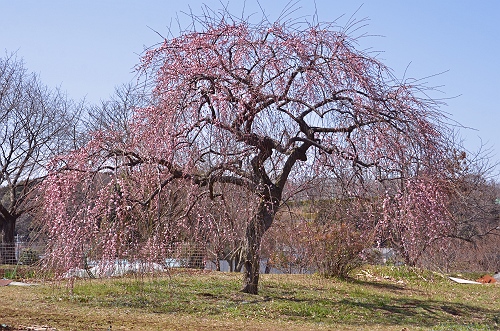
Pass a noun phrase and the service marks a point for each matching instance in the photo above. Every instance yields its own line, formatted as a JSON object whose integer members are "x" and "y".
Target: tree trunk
{"x": 8, "y": 245}
{"x": 253, "y": 237}
{"x": 237, "y": 259}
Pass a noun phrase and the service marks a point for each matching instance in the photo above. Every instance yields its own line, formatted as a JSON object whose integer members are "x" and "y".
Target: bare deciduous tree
{"x": 116, "y": 113}
{"x": 36, "y": 124}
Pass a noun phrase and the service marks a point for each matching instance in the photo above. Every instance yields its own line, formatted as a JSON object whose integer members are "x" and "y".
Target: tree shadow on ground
{"x": 427, "y": 313}
{"x": 386, "y": 286}
{"x": 394, "y": 304}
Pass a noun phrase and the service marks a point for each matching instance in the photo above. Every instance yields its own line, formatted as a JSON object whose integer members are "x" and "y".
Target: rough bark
{"x": 7, "y": 246}
{"x": 253, "y": 237}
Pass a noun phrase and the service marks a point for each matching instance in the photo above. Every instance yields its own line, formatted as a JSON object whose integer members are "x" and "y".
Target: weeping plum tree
{"x": 247, "y": 105}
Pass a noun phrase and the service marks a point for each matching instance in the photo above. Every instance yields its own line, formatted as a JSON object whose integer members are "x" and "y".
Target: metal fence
{"x": 21, "y": 252}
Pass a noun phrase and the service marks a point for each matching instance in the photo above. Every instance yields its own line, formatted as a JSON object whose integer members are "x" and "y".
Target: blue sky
{"x": 89, "y": 47}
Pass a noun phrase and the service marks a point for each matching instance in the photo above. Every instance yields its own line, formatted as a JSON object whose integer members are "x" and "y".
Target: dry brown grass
{"x": 23, "y": 306}
{"x": 211, "y": 301}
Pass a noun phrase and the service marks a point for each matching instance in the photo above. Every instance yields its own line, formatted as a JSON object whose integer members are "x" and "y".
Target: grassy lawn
{"x": 378, "y": 298}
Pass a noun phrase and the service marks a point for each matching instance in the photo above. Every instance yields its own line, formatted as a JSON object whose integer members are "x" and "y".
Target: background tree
{"x": 415, "y": 217}
{"x": 253, "y": 106}
{"x": 36, "y": 123}
{"x": 116, "y": 113}
{"x": 474, "y": 207}
{"x": 474, "y": 211}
